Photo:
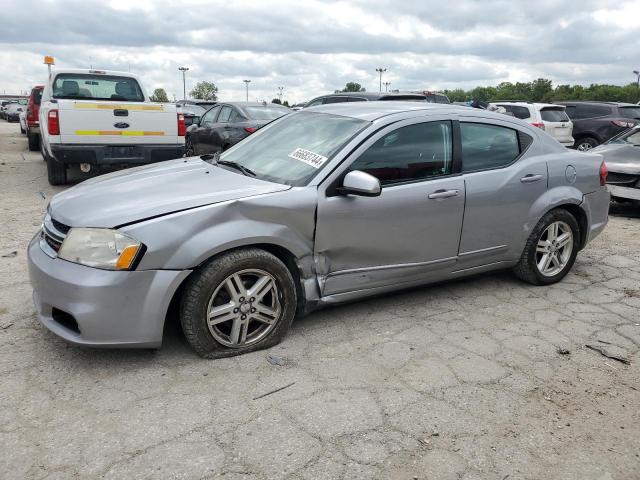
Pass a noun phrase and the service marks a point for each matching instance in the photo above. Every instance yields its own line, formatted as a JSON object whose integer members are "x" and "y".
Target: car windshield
{"x": 81, "y": 86}
{"x": 630, "y": 137}
{"x": 265, "y": 113}
{"x": 630, "y": 112}
{"x": 293, "y": 149}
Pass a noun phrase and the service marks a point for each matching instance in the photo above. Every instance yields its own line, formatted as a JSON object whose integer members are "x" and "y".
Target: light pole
{"x": 184, "y": 81}
{"x": 381, "y": 70}
{"x": 386, "y": 86}
{"x": 280, "y": 89}
{"x": 247, "y": 82}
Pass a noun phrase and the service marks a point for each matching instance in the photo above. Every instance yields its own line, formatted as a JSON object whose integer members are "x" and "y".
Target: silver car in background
{"x": 622, "y": 156}
{"x": 322, "y": 206}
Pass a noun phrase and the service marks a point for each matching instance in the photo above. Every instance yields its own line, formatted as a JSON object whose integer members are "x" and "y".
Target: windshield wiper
{"x": 213, "y": 159}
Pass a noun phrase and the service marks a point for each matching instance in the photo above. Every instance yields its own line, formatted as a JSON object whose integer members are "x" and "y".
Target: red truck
{"x": 33, "y": 113}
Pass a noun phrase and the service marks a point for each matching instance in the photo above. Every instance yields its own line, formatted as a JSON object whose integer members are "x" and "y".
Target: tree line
{"x": 543, "y": 90}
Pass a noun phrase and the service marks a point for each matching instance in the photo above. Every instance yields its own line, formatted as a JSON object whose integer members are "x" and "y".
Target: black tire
{"x": 189, "y": 148}
{"x": 586, "y": 143}
{"x": 527, "y": 267}
{"x": 56, "y": 172}
{"x": 202, "y": 284}
{"x": 34, "y": 141}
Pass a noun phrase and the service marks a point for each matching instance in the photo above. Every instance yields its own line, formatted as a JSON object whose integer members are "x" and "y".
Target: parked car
{"x": 33, "y": 118}
{"x": 596, "y": 122}
{"x": 97, "y": 118}
{"x": 622, "y": 156}
{"x": 319, "y": 207}
{"x": 549, "y": 117}
{"x": 365, "y": 97}
{"x": 192, "y": 114}
{"x": 23, "y": 122}
{"x": 226, "y": 124}
{"x": 3, "y": 108}
{"x": 13, "y": 110}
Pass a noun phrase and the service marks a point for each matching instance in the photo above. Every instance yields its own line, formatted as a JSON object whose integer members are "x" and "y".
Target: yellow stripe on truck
{"x": 103, "y": 106}
{"x": 123, "y": 133}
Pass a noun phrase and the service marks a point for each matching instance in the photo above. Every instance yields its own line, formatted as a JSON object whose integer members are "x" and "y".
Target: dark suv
{"x": 596, "y": 122}
{"x": 374, "y": 96}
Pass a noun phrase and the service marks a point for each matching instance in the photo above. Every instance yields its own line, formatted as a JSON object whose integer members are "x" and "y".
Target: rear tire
{"x": 585, "y": 144}
{"x": 531, "y": 267}
{"x": 56, "y": 172}
{"x": 242, "y": 301}
{"x": 34, "y": 142}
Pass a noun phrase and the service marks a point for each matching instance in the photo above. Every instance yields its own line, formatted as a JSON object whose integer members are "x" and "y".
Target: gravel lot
{"x": 457, "y": 381}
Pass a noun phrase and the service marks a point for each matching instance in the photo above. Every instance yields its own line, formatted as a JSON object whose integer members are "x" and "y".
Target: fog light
{"x": 85, "y": 167}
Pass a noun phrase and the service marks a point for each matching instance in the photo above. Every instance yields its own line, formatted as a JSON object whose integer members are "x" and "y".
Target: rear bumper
{"x": 596, "y": 205}
{"x": 630, "y": 193}
{"x": 100, "y": 308}
{"x": 115, "y": 154}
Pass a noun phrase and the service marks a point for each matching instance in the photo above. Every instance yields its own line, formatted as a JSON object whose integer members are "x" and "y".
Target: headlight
{"x": 100, "y": 248}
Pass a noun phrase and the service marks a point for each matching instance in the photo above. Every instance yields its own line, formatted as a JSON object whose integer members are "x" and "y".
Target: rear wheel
{"x": 242, "y": 301}
{"x": 551, "y": 249}
{"x": 586, "y": 143}
{"x": 34, "y": 141}
{"x": 190, "y": 149}
{"x": 56, "y": 171}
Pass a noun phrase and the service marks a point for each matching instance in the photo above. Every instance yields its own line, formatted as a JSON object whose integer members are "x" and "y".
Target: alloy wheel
{"x": 554, "y": 248}
{"x": 584, "y": 146}
{"x": 244, "y": 308}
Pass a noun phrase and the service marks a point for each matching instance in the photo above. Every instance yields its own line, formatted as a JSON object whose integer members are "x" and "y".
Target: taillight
{"x": 540, "y": 125}
{"x": 603, "y": 174}
{"x": 623, "y": 124}
{"x": 250, "y": 129}
{"x": 182, "y": 128}
{"x": 53, "y": 122}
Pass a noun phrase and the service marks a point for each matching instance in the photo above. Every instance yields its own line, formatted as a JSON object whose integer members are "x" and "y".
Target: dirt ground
{"x": 485, "y": 378}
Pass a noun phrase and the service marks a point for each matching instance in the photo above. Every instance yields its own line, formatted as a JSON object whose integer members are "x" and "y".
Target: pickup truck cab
{"x": 97, "y": 118}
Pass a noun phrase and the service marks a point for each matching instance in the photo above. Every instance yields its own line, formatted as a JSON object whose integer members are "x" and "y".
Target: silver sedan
{"x": 326, "y": 205}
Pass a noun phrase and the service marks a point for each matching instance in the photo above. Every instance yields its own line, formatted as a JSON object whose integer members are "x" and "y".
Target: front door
{"x": 410, "y": 232}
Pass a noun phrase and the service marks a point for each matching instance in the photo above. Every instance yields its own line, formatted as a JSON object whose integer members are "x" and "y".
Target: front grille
{"x": 53, "y": 234}
{"x": 622, "y": 179}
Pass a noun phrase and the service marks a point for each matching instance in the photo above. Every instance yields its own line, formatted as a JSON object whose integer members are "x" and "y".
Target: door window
{"x": 592, "y": 111}
{"x": 210, "y": 117}
{"x": 315, "y": 103}
{"x": 409, "y": 153}
{"x": 341, "y": 99}
{"x": 225, "y": 114}
{"x": 486, "y": 146}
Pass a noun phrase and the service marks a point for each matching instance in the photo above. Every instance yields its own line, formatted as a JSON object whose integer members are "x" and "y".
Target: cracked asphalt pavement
{"x": 485, "y": 378}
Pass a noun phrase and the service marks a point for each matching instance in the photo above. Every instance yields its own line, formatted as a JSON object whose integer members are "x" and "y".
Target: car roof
{"x": 372, "y": 95}
{"x": 371, "y": 111}
{"x": 596, "y": 102}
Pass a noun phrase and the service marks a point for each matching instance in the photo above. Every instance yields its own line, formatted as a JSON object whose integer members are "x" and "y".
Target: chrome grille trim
{"x": 52, "y": 237}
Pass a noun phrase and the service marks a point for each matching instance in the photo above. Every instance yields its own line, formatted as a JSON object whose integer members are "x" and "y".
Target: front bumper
{"x": 109, "y": 308}
{"x": 115, "y": 154}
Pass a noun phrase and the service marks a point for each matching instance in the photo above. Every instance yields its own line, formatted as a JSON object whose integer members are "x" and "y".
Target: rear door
{"x": 502, "y": 183}
{"x": 557, "y": 123}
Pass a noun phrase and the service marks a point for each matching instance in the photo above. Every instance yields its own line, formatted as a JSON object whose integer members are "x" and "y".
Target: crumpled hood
{"x": 131, "y": 195}
{"x": 620, "y": 157}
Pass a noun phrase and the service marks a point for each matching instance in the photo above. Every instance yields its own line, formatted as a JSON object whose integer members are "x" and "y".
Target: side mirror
{"x": 360, "y": 183}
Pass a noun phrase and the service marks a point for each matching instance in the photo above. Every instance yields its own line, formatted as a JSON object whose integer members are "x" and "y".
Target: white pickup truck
{"x": 96, "y": 118}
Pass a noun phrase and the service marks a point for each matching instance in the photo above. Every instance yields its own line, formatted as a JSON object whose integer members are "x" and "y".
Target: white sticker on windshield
{"x": 308, "y": 157}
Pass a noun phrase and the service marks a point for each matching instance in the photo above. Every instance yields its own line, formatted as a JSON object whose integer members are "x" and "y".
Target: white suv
{"x": 549, "y": 117}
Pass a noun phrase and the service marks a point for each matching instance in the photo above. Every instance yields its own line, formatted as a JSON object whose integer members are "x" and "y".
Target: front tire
{"x": 551, "y": 249}
{"x": 242, "y": 301}
{"x": 585, "y": 144}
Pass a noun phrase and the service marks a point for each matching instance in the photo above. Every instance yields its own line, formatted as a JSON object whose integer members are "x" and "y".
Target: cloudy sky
{"x": 314, "y": 47}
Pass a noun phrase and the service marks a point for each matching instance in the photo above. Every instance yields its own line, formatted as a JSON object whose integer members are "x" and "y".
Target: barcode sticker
{"x": 310, "y": 158}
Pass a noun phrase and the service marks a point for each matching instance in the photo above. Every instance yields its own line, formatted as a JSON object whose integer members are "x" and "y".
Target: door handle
{"x": 530, "y": 178}
{"x": 443, "y": 194}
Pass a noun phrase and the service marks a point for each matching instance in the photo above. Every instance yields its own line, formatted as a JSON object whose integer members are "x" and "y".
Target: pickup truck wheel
{"x": 551, "y": 249}
{"x": 56, "y": 172}
{"x": 242, "y": 301}
{"x": 34, "y": 142}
